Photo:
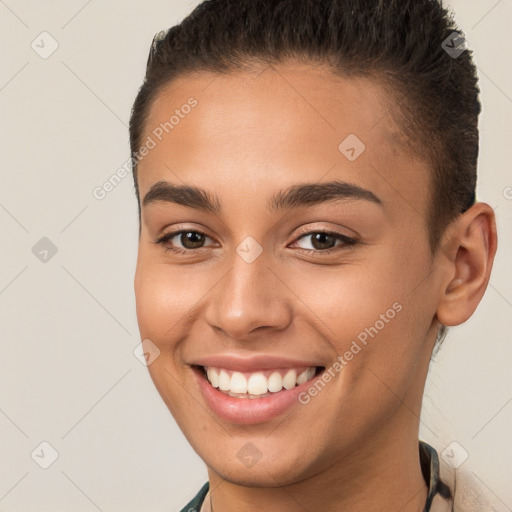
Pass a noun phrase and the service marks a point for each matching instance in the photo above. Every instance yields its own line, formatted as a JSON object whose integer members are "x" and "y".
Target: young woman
{"x": 305, "y": 171}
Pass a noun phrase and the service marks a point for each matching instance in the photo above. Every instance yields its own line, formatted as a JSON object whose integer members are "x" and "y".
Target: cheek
{"x": 372, "y": 312}
{"x": 164, "y": 300}
{"x": 347, "y": 299}
{"x": 162, "y": 303}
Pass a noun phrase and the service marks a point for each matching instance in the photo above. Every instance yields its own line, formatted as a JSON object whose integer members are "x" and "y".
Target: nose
{"x": 250, "y": 298}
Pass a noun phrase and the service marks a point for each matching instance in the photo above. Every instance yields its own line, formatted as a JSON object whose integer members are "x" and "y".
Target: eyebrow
{"x": 302, "y": 194}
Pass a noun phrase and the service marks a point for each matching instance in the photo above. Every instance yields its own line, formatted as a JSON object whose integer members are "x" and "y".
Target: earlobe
{"x": 472, "y": 242}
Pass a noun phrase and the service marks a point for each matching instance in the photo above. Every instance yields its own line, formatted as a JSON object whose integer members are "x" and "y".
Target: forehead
{"x": 277, "y": 125}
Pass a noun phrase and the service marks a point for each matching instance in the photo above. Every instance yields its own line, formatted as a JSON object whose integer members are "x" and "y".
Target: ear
{"x": 468, "y": 248}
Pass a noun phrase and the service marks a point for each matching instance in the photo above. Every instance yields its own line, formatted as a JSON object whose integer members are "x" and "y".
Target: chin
{"x": 250, "y": 467}
{"x": 262, "y": 474}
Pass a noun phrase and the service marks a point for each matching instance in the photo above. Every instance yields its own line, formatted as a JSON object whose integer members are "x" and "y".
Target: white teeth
{"x": 213, "y": 377}
{"x": 275, "y": 382}
{"x": 238, "y": 383}
{"x": 224, "y": 380}
{"x": 305, "y": 375}
{"x": 290, "y": 379}
{"x": 256, "y": 385}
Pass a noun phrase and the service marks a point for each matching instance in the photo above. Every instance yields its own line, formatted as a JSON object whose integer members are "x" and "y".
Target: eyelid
{"x": 307, "y": 230}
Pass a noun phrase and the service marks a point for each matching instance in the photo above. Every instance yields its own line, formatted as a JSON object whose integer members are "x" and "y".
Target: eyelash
{"x": 347, "y": 242}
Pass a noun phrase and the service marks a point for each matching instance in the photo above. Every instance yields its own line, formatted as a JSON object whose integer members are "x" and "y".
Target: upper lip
{"x": 252, "y": 363}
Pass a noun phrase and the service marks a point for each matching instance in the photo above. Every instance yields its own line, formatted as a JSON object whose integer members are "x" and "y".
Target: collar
{"x": 439, "y": 497}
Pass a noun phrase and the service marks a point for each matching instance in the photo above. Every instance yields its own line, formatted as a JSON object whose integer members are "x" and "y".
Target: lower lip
{"x": 245, "y": 411}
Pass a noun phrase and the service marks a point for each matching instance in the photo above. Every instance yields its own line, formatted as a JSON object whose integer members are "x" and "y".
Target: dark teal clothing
{"x": 195, "y": 504}
{"x": 429, "y": 461}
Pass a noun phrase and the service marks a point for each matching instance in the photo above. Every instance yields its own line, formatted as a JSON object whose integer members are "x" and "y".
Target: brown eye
{"x": 191, "y": 239}
{"x": 325, "y": 242}
{"x": 322, "y": 241}
{"x": 183, "y": 241}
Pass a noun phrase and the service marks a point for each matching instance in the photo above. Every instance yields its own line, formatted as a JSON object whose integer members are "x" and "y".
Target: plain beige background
{"x": 68, "y": 375}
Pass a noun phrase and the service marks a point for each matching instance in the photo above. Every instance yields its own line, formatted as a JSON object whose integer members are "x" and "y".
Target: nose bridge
{"x": 249, "y": 297}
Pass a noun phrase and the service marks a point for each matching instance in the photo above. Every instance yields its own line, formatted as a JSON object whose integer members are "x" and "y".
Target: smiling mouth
{"x": 258, "y": 384}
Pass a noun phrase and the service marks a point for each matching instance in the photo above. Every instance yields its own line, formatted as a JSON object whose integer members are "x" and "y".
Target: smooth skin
{"x": 354, "y": 446}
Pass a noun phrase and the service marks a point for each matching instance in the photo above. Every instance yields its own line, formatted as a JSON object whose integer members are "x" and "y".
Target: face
{"x": 293, "y": 267}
